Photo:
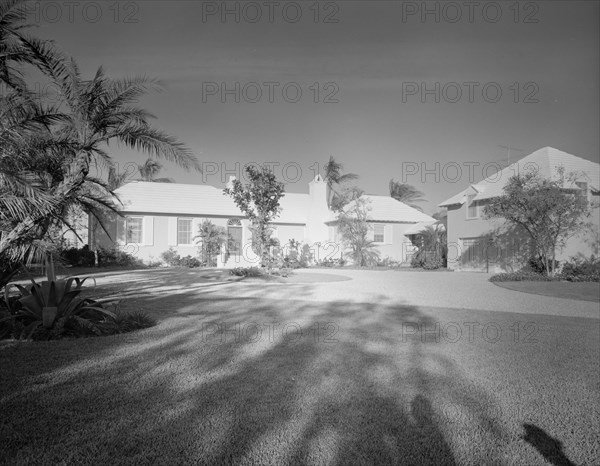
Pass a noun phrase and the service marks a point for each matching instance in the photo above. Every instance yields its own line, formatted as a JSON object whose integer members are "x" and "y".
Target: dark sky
{"x": 372, "y": 63}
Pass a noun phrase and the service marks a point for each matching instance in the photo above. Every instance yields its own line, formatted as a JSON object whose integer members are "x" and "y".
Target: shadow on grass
{"x": 548, "y": 447}
{"x": 236, "y": 381}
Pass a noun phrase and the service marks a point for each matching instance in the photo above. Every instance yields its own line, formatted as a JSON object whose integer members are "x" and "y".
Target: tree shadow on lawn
{"x": 334, "y": 383}
{"x": 549, "y": 447}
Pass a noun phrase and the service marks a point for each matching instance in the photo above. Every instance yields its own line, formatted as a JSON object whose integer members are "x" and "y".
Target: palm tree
{"x": 17, "y": 47}
{"x": 334, "y": 178}
{"x": 407, "y": 194}
{"x": 150, "y": 169}
{"x": 97, "y": 112}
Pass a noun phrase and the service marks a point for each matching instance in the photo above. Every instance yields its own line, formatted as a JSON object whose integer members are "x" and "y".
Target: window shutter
{"x": 196, "y": 222}
{"x": 172, "y": 231}
{"x": 121, "y": 237}
{"x": 148, "y": 230}
{"x": 388, "y": 233}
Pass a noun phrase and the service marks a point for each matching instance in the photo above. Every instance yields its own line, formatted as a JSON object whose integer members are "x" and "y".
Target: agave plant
{"x": 53, "y": 308}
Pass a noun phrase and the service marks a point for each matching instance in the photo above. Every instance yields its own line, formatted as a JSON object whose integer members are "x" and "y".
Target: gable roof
{"x": 388, "y": 209}
{"x": 546, "y": 161}
{"x": 198, "y": 200}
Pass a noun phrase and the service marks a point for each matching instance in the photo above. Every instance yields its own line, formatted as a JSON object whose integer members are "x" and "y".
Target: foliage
{"x": 190, "y": 262}
{"x": 388, "y": 262}
{"x": 427, "y": 260}
{"x": 150, "y": 169}
{"x": 550, "y": 211}
{"x": 173, "y": 259}
{"x": 343, "y": 196}
{"x": 354, "y": 231}
{"x": 407, "y": 194}
{"x": 78, "y": 257}
{"x": 259, "y": 200}
{"x": 211, "y": 238}
{"x": 127, "y": 322}
{"x": 248, "y": 272}
{"x": 538, "y": 265}
{"x": 433, "y": 249}
{"x": 48, "y": 145}
{"x": 330, "y": 262}
{"x": 54, "y": 309}
{"x": 522, "y": 275}
{"x": 579, "y": 269}
{"x": 337, "y": 196}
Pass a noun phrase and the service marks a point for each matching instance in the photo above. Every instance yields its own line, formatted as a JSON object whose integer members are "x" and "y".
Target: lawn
{"x": 226, "y": 379}
{"x": 583, "y": 291}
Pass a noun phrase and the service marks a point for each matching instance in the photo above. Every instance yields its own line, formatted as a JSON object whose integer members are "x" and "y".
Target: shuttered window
{"x": 134, "y": 228}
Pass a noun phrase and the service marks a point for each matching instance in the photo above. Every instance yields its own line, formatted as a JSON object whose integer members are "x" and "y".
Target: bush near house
{"x": 84, "y": 257}
{"x": 581, "y": 269}
{"x": 577, "y": 269}
{"x": 248, "y": 272}
{"x": 173, "y": 259}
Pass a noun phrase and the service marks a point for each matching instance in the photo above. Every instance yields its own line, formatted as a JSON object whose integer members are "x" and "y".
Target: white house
{"x": 158, "y": 216}
{"x": 478, "y": 244}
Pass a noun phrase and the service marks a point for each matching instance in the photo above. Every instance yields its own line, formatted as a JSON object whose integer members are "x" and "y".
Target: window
{"x": 472, "y": 207}
{"x": 133, "y": 226}
{"x": 379, "y": 232}
{"x": 184, "y": 231}
{"x": 234, "y": 230}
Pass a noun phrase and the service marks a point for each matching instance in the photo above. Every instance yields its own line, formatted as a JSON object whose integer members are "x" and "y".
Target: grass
{"x": 583, "y": 291}
{"x": 347, "y": 383}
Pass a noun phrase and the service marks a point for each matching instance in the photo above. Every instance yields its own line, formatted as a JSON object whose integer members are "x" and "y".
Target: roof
{"x": 198, "y": 200}
{"x": 422, "y": 226}
{"x": 545, "y": 161}
{"x": 388, "y": 209}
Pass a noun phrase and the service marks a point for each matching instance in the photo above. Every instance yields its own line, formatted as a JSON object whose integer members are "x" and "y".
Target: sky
{"x": 415, "y": 91}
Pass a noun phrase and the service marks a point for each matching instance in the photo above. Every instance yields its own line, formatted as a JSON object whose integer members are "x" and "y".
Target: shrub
{"x": 52, "y": 310}
{"x": 536, "y": 265}
{"x": 189, "y": 261}
{"x": 388, "y": 262}
{"x": 82, "y": 257}
{"x": 247, "y": 272}
{"x": 114, "y": 256}
{"x": 126, "y": 322}
{"x": 428, "y": 260}
{"x": 522, "y": 275}
{"x": 580, "y": 269}
{"x": 171, "y": 257}
{"x": 330, "y": 262}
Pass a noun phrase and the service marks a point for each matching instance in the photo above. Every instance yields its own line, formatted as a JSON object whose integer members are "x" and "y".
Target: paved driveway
{"x": 429, "y": 289}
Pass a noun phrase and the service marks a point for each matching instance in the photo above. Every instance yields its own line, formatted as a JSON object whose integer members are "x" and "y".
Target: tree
{"x": 407, "y": 194}
{"x": 334, "y": 179}
{"x": 259, "y": 200}
{"x": 354, "y": 230}
{"x": 433, "y": 249}
{"x": 150, "y": 169}
{"x": 549, "y": 211}
{"x": 344, "y": 196}
{"x": 18, "y": 48}
{"x": 96, "y": 112}
{"x": 211, "y": 238}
